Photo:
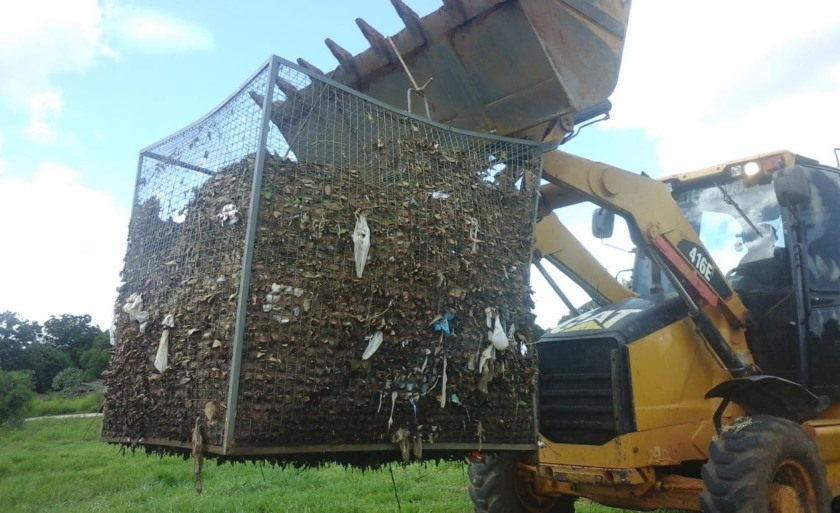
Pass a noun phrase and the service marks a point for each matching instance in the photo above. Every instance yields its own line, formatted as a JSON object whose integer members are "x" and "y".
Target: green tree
{"x": 15, "y": 335}
{"x": 15, "y": 394}
{"x": 94, "y": 362}
{"x": 73, "y": 334}
{"x": 45, "y": 361}
{"x": 67, "y": 380}
{"x": 63, "y": 341}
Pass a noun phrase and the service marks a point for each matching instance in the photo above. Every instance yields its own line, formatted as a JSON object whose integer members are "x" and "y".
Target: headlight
{"x": 752, "y": 168}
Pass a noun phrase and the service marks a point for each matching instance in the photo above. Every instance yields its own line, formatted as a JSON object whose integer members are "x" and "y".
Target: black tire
{"x": 762, "y": 456}
{"x": 495, "y": 488}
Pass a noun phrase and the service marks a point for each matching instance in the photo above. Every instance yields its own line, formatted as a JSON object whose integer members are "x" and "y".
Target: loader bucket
{"x": 519, "y": 68}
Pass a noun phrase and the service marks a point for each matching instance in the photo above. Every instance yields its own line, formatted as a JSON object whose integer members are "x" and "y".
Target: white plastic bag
{"x": 496, "y": 333}
{"x": 361, "y": 244}
{"x": 229, "y": 214}
{"x": 374, "y": 341}
{"x": 162, "y": 356}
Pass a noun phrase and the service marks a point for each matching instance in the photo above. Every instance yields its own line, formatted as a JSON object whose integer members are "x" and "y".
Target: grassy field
{"x": 60, "y": 466}
{"x": 57, "y": 404}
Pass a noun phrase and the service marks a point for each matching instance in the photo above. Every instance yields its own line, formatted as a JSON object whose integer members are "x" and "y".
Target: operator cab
{"x": 773, "y": 230}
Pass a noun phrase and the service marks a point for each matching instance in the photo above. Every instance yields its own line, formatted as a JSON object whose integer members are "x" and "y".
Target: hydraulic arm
{"x": 556, "y": 244}
{"x": 658, "y": 227}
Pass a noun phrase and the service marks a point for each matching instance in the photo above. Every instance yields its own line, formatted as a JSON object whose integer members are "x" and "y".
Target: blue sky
{"x": 85, "y": 84}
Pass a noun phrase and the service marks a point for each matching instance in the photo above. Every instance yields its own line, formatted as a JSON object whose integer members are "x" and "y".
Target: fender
{"x": 768, "y": 395}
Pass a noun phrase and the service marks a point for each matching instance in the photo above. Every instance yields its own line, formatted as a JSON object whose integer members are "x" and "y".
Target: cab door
{"x": 819, "y": 221}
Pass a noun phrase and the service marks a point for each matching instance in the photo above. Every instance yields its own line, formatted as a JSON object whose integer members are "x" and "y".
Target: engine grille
{"x": 584, "y": 395}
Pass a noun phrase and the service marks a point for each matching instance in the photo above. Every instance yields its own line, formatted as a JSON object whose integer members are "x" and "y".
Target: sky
{"x": 86, "y": 84}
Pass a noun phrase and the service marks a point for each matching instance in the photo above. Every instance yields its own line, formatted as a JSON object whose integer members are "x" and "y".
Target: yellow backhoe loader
{"x": 711, "y": 383}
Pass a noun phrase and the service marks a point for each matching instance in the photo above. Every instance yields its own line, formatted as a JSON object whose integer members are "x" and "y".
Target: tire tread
{"x": 742, "y": 462}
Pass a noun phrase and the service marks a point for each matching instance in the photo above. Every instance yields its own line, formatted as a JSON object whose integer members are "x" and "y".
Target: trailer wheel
{"x": 496, "y": 488}
{"x": 764, "y": 464}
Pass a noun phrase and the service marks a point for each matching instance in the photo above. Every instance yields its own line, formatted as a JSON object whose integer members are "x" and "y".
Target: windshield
{"x": 738, "y": 224}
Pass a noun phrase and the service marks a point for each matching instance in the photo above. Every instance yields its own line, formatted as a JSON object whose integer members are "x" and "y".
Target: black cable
{"x": 93, "y": 419}
{"x": 394, "y": 482}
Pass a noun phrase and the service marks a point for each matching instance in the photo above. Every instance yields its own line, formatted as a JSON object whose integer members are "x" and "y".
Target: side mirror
{"x": 791, "y": 186}
{"x": 603, "y": 222}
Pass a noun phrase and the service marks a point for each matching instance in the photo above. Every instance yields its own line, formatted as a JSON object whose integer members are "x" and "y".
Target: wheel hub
{"x": 792, "y": 490}
{"x": 784, "y": 499}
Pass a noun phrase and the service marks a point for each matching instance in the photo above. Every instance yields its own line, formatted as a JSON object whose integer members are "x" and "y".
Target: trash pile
{"x": 390, "y": 302}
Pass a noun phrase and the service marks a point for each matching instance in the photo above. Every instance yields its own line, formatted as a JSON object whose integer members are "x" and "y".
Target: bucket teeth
{"x": 288, "y": 88}
{"x": 258, "y": 99}
{"x": 344, "y": 58}
{"x": 375, "y": 38}
{"x": 552, "y": 81}
{"x": 308, "y": 65}
{"x": 410, "y": 18}
{"x": 457, "y": 6}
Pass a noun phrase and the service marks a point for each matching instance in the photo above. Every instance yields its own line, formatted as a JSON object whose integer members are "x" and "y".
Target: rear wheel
{"x": 495, "y": 487}
{"x": 764, "y": 464}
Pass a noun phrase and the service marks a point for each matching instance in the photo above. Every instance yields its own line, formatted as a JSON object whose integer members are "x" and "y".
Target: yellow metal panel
{"x": 670, "y": 372}
{"x": 662, "y": 446}
{"x": 671, "y": 492}
{"x": 827, "y": 435}
{"x": 789, "y": 159}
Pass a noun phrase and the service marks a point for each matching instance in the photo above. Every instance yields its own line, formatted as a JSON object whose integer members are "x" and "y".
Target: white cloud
{"x": 63, "y": 246}
{"x": 719, "y": 80}
{"x": 44, "y": 108}
{"x": 136, "y": 30}
{"x": 41, "y": 38}
{"x": 158, "y": 32}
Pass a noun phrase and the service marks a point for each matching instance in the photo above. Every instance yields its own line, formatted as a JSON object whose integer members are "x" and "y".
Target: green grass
{"x": 60, "y": 466}
{"x": 56, "y": 404}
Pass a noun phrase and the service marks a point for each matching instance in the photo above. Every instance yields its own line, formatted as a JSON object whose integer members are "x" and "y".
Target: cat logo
{"x": 598, "y": 320}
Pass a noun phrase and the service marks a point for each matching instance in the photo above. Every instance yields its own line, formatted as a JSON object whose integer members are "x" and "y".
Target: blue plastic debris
{"x": 443, "y": 323}
{"x": 414, "y": 407}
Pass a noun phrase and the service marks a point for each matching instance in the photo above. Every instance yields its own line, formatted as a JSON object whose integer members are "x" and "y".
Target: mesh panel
{"x": 449, "y": 217}
{"x": 182, "y": 260}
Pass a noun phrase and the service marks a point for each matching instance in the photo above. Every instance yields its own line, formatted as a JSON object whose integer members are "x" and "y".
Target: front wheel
{"x": 764, "y": 464}
{"x": 495, "y": 487}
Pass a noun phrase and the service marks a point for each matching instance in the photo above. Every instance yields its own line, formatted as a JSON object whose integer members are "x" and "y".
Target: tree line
{"x": 65, "y": 351}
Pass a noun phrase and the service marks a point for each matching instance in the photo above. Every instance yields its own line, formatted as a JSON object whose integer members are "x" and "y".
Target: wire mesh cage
{"x": 311, "y": 272}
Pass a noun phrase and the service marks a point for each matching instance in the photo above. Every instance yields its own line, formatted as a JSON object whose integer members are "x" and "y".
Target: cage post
{"x": 247, "y": 260}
